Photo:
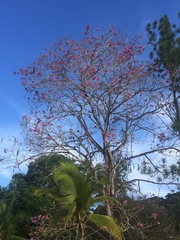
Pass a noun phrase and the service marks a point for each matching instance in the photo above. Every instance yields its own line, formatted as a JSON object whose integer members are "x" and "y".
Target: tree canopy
{"x": 95, "y": 100}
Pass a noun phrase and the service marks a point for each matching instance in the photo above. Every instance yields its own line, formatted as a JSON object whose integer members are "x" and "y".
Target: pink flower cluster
{"x": 105, "y": 166}
{"x": 39, "y": 218}
{"x": 141, "y": 225}
{"x": 154, "y": 215}
{"x": 104, "y": 228}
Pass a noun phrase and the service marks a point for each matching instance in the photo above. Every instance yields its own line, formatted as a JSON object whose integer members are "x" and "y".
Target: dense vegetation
{"x": 40, "y": 205}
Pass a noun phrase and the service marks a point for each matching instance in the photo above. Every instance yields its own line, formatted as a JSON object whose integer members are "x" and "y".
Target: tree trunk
{"x": 110, "y": 189}
{"x": 80, "y": 228}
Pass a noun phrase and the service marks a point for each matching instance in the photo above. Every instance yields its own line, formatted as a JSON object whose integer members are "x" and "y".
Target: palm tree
{"x": 78, "y": 197}
{"x": 7, "y": 223}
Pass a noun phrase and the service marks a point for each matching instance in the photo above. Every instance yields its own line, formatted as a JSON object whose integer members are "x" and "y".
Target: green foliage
{"x": 172, "y": 202}
{"x": 165, "y": 40}
{"x": 8, "y": 222}
{"x": 78, "y": 195}
{"x": 70, "y": 199}
{"x": 24, "y": 204}
{"x": 41, "y": 170}
{"x": 162, "y": 170}
{"x": 19, "y": 195}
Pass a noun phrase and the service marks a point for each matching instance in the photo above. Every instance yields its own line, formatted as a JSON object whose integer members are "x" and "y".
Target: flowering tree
{"x": 94, "y": 99}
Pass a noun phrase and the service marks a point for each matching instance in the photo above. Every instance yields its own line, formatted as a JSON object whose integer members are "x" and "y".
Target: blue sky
{"x": 26, "y": 26}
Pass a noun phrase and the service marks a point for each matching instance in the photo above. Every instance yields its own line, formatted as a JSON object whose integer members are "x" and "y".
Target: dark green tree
{"x": 24, "y": 205}
{"x": 20, "y": 192}
{"x": 172, "y": 202}
{"x": 40, "y": 171}
{"x": 165, "y": 40}
{"x": 8, "y": 222}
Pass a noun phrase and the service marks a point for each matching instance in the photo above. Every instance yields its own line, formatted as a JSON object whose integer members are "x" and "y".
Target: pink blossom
{"x": 106, "y": 167}
{"x": 141, "y": 225}
{"x": 45, "y": 217}
{"x": 107, "y": 134}
{"x": 162, "y": 137}
{"x": 39, "y": 73}
{"x": 33, "y": 221}
{"x": 49, "y": 138}
{"x": 129, "y": 95}
{"x": 154, "y": 215}
{"x": 88, "y": 27}
{"x": 104, "y": 228}
{"x": 52, "y": 79}
{"x": 21, "y": 70}
{"x": 142, "y": 206}
{"x": 36, "y": 129}
{"x": 125, "y": 201}
{"x": 25, "y": 117}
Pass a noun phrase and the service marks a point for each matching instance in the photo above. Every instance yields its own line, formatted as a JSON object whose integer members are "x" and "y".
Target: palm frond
{"x": 48, "y": 192}
{"x": 107, "y": 223}
{"x": 73, "y": 184}
{"x": 101, "y": 199}
{"x": 59, "y": 215}
{"x": 66, "y": 175}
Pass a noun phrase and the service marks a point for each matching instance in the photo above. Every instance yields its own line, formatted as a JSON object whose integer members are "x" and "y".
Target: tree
{"x": 78, "y": 195}
{"x": 95, "y": 100}
{"x": 8, "y": 222}
{"x": 20, "y": 202}
{"x": 172, "y": 202}
{"x": 165, "y": 39}
{"x": 40, "y": 171}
